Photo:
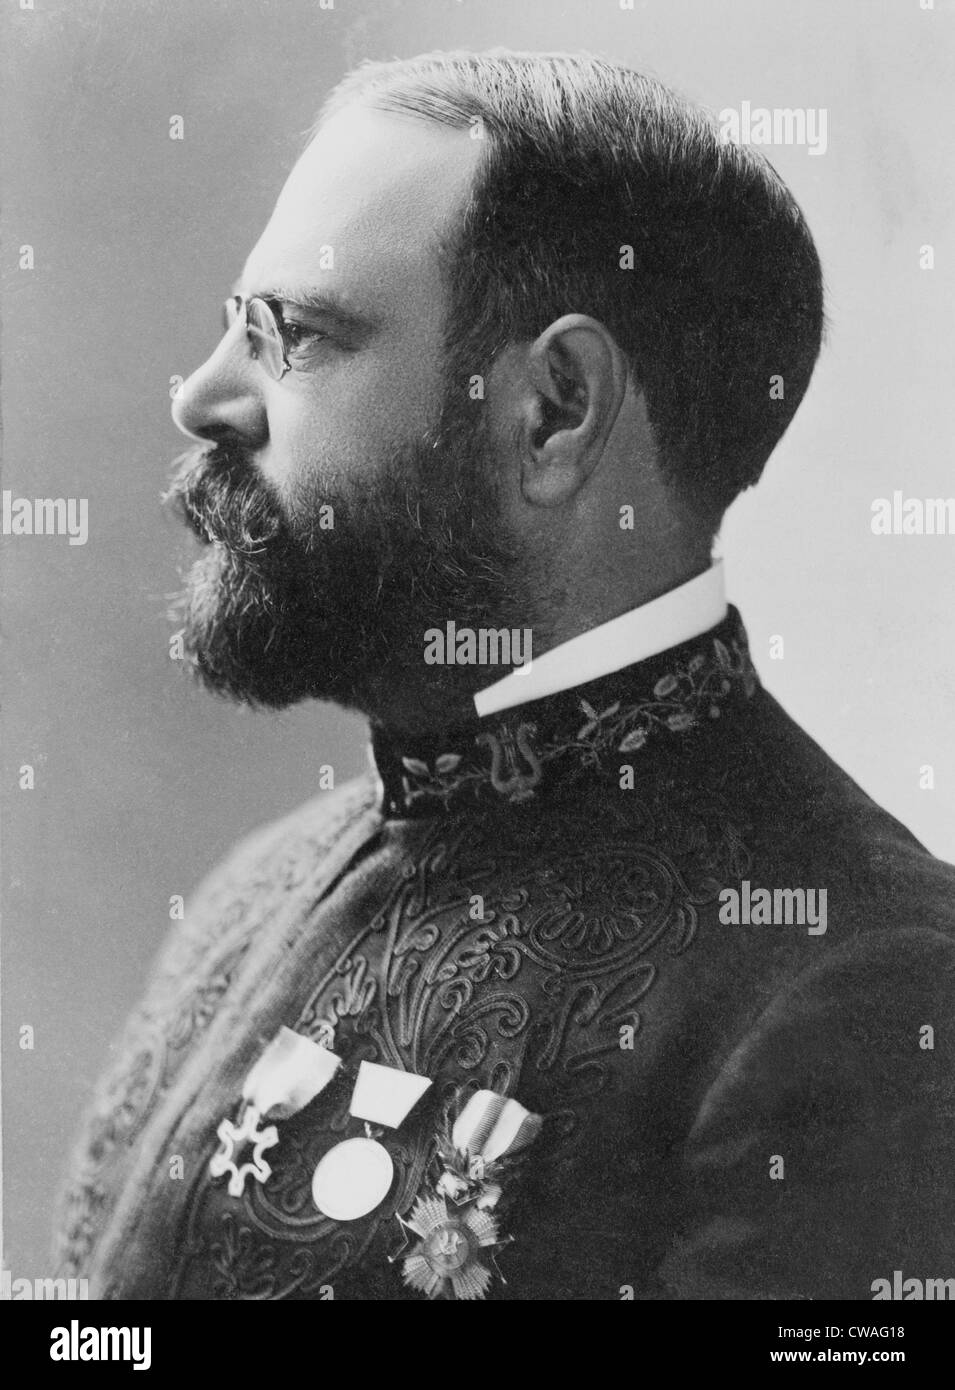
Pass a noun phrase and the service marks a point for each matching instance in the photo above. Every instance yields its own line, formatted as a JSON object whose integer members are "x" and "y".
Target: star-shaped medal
{"x": 233, "y": 1138}
{"x": 455, "y": 1256}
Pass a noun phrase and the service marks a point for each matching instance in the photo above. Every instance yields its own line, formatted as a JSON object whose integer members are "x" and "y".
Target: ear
{"x": 575, "y": 385}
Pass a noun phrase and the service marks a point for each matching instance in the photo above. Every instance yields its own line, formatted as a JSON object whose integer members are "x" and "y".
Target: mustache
{"x": 224, "y": 501}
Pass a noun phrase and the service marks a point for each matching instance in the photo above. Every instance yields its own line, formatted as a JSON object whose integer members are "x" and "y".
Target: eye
{"x": 299, "y": 337}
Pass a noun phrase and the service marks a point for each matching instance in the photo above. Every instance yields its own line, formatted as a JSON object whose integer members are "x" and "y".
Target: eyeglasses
{"x": 263, "y": 329}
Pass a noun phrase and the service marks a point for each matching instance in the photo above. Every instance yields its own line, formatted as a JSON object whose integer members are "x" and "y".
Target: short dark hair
{"x": 584, "y": 158}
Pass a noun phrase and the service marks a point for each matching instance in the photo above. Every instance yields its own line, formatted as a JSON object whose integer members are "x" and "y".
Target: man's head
{"x": 530, "y": 290}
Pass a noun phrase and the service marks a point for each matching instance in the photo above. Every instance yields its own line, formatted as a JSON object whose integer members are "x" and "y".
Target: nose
{"x": 224, "y": 395}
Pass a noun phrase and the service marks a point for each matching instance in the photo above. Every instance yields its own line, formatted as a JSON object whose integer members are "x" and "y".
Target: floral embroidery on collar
{"x": 510, "y": 759}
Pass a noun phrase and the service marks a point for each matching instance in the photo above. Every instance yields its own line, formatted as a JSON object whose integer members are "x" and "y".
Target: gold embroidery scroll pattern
{"x": 425, "y": 987}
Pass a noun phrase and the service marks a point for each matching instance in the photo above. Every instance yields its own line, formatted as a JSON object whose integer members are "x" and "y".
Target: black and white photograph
{"x": 478, "y": 778}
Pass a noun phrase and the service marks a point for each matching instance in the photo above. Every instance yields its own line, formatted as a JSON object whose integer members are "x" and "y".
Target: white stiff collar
{"x": 683, "y": 613}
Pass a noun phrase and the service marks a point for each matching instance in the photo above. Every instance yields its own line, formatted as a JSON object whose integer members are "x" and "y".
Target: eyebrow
{"x": 318, "y": 302}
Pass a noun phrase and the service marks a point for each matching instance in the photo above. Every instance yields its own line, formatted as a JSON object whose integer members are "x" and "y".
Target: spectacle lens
{"x": 264, "y": 337}
{"x": 262, "y": 331}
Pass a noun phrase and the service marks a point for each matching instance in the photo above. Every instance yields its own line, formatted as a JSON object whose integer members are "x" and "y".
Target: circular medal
{"x": 352, "y": 1179}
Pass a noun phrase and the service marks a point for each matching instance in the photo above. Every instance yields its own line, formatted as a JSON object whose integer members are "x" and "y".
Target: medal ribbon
{"x": 491, "y": 1125}
{"x": 290, "y": 1072}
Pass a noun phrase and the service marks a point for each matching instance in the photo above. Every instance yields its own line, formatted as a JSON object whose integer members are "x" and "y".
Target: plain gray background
{"x": 142, "y": 780}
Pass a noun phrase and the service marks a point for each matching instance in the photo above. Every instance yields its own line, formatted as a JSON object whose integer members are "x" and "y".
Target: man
{"x": 657, "y": 1002}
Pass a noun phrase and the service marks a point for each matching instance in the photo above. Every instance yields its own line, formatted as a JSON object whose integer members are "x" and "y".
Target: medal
{"x": 458, "y": 1236}
{"x": 452, "y": 1249}
{"x": 354, "y": 1177}
{"x": 291, "y": 1072}
{"x": 231, "y": 1138}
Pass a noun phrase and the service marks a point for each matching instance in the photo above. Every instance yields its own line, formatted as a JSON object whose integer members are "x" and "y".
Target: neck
{"x": 596, "y": 603}
{"x": 433, "y": 694}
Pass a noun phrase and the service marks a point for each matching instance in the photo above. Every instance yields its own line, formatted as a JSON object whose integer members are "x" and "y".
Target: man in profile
{"x": 605, "y": 977}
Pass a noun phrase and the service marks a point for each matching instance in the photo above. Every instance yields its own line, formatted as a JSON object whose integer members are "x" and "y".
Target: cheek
{"x": 338, "y": 426}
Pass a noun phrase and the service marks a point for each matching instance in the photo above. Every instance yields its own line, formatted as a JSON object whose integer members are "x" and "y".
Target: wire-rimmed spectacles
{"x": 263, "y": 329}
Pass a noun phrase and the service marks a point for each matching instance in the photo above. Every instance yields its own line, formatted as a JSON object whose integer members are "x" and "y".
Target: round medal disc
{"x": 352, "y": 1179}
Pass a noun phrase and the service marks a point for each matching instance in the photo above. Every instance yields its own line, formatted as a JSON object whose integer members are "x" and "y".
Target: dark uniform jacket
{"x": 538, "y": 907}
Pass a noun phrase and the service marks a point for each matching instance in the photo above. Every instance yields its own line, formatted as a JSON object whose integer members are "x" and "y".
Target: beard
{"x": 278, "y": 609}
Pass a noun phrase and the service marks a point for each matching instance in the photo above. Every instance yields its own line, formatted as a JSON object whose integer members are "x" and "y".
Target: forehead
{"x": 377, "y": 190}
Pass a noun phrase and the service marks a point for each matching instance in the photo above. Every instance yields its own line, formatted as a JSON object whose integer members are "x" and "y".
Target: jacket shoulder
{"x": 265, "y": 869}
